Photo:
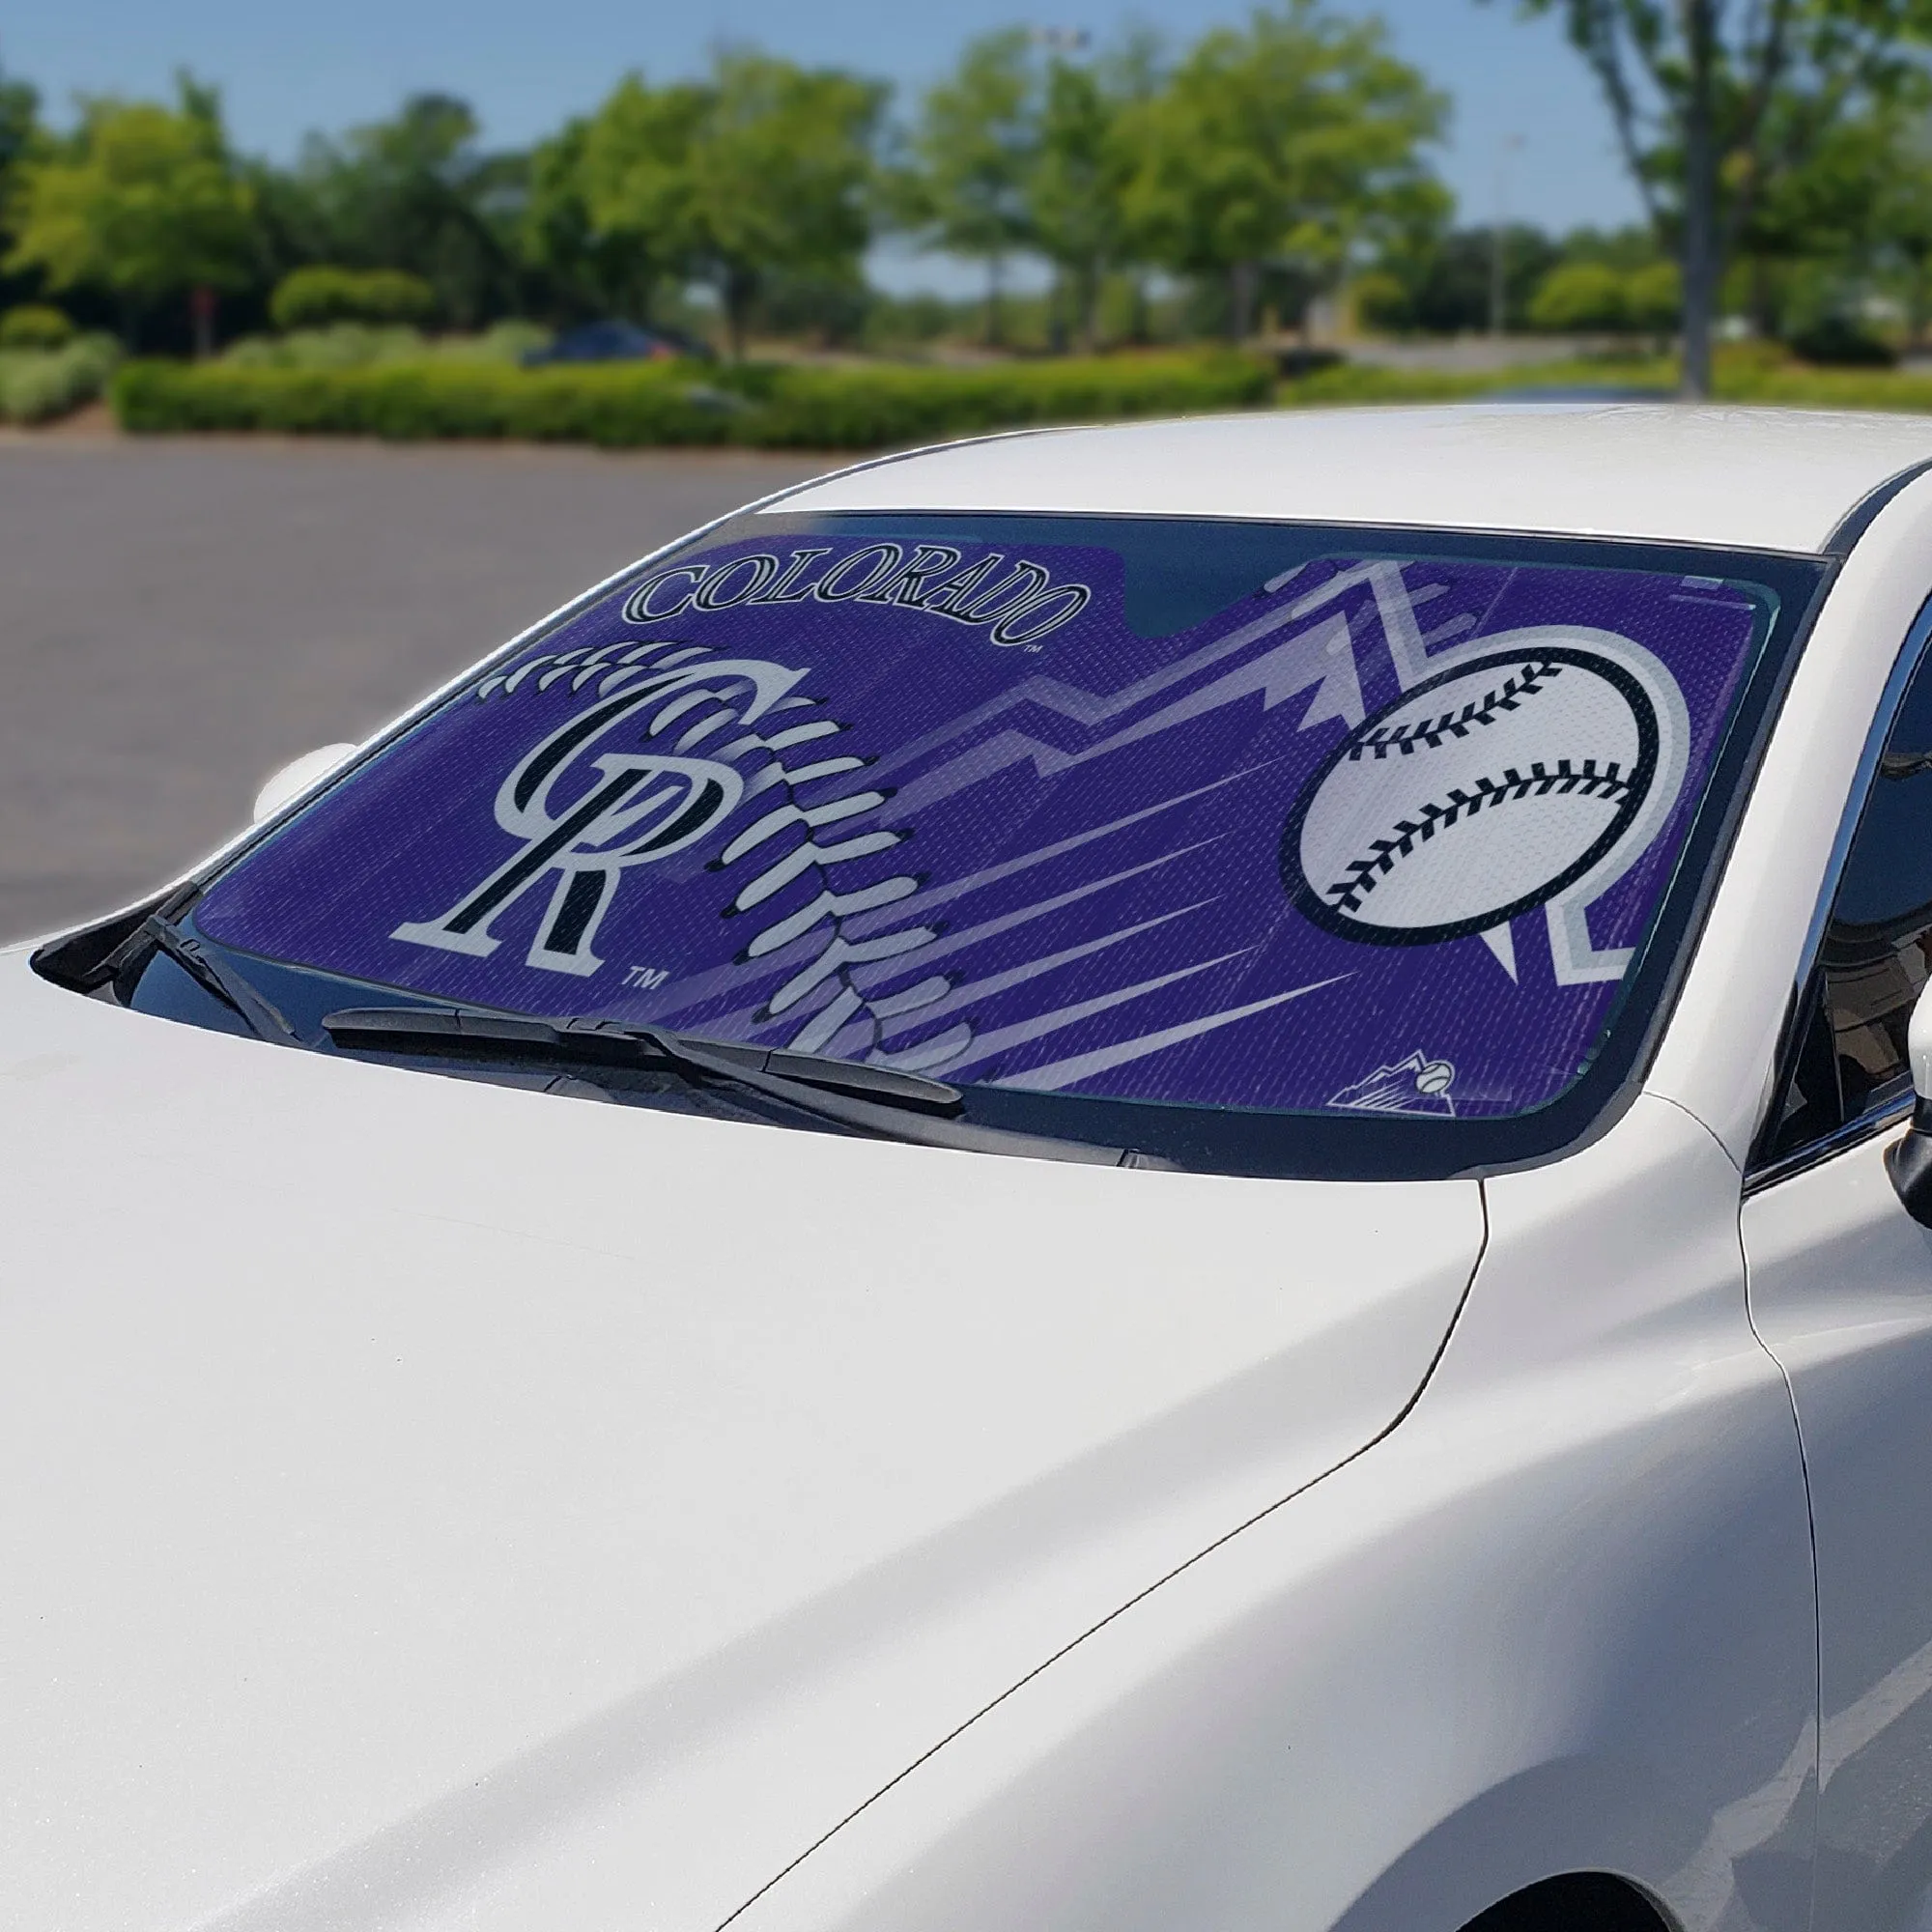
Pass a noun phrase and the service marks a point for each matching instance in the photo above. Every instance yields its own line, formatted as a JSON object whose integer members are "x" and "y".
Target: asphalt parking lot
{"x": 178, "y": 618}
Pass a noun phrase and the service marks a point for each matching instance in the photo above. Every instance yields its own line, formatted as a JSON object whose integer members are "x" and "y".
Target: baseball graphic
{"x": 1477, "y": 795}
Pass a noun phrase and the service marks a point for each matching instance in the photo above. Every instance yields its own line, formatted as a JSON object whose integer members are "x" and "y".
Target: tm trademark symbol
{"x": 649, "y": 977}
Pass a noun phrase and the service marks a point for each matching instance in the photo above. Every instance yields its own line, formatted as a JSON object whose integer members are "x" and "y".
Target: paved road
{"x": 177, "y": 619}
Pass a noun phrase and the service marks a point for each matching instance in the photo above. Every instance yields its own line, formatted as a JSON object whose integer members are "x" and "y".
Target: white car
{"x": 1120, "y": 1180}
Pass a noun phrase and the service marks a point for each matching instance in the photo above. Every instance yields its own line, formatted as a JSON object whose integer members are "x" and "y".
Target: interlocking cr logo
{"x": 637, "y": 806}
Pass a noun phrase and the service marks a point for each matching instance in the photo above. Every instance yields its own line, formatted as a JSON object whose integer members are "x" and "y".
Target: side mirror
{"x": 1909, "y": 1161}
{"x": 295, "y": 778}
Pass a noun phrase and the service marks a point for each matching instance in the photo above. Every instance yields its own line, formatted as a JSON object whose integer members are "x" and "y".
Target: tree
{"x": 592, "y": 269}
{"x": 141, "y": 199}
{"x": 416, "y": 193}
{"x": 19, "y": 123}
{"x": 1900, "y": 214}
{"x": 623, "y": 185}
{"x": 1439, "y": 281}
{"x": 1714, "y": 105}
{"x": 974, "y": 149}
{"x": 1295, "y": 139}
{"x": 20, "y": 136}
{"x": 763, "y": 169}
{"x": 1076, "y": 188}
{"x": 1586, "y": 295}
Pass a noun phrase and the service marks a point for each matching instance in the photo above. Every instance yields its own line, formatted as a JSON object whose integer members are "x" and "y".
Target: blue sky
{"x": 285, "y": 70}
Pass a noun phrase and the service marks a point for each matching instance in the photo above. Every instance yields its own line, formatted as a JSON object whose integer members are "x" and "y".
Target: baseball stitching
{"x": 1587, "y": 779}
{"x": 1431, "y": 731}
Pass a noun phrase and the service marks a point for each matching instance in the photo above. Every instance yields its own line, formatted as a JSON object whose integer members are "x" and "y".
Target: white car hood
{"x": 432, "y": 1504}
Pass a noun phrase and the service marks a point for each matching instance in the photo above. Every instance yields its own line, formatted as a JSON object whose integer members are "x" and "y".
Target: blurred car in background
{"x": 617, "y": 342}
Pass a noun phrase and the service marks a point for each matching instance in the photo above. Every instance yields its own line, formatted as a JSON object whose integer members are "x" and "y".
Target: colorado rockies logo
{"x": 586, "y": 814}
{"x": 1478, "y": 795}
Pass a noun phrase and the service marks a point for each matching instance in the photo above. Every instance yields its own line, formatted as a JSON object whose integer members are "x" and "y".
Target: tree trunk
{"x": 995, "y": 327}
{"x": 1700, "y": 198}
{"x": 1087, "y": 322}
{"x": 1242, "y": 280}
{"x": 738, "y": 292}
{"x": 201, "y": 310}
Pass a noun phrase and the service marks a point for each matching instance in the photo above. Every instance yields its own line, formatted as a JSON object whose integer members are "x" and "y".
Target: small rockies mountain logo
{"x": 1416, "y": 1085}
{"x": 1478, "y": 795}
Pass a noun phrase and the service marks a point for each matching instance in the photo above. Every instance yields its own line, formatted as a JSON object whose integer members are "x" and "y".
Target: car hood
{"x": 432, "y": 1503}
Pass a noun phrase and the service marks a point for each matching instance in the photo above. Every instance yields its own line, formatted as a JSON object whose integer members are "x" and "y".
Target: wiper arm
{"x": 879, "y": 1101}
{"x": 214, "y": 976}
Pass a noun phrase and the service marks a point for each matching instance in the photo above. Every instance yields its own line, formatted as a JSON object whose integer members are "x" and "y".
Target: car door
{"x": 1840, "y": 1286}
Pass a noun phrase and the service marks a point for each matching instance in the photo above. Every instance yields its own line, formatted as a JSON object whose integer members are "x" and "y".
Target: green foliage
{"x": 416, "y": 193}
{"x": 1836, "y": 340}
{"x": 761, "y": 170}
{"x": 35, "y": 326}
{"x": 622, "y": 405}
{"x": 1077, "y": 204}
{"x": 870, "y": 407}
{"x": 1299, "y": 137}
{"x": 973, "y": 152}
{"x": 141, "y": 199}
{"x": 1718, "y": 111}
{"x": 1443, "y": 281}
{"x": 313, "y": 297}
{"x": 1581, "y": 296}
{"x": 1653, "y": 296}
{"x": 1591, "y": 296}
{"x": 39, "y": 384}
{"x": 355, "y": 345}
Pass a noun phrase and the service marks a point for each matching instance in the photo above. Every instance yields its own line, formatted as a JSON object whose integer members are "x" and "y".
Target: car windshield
{"x": 1288, "y": 849}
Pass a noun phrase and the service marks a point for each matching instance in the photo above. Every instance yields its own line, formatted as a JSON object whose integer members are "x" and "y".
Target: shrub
{"x": 1381, "y": 302}
{"x": 315, "y": 297}
{"x": 1841, "y": 341}
{"x": 35, "y": 326}
{"x": 39, "y": 384}
{"x": 359, "y": 345}
{"x": 417, "y": 401}
{"x": 341, "y": 345}
{"x": 1580, "y": 297}
{"x": 628, "y": 404}
{"x": 1654, "y": 298}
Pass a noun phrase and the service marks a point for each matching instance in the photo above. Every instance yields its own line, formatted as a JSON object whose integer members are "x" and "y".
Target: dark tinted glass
{"x": 1851, "y": 1059}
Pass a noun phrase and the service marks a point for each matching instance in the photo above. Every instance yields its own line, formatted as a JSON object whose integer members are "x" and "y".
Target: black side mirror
{"x": 1909, "y": 1161}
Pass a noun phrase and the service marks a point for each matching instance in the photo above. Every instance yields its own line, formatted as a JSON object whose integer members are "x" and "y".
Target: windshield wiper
{"x": 879, "y": 1101}
{"x": 214, "y": 976}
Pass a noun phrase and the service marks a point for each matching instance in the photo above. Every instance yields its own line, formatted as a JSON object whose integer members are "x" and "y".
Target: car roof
{"x": 1768, "y": 479}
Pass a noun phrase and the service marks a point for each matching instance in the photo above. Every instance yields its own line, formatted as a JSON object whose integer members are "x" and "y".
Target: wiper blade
{"x": 610, "y": 1042}
{"x": 880, "y": 1100}
{"x": 215, "y": 977}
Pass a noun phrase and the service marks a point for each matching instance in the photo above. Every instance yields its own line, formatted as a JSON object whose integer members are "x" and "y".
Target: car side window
{"x": 1847, "y": 1058}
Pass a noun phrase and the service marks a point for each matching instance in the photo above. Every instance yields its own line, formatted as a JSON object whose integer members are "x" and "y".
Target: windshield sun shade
{"x": 1234, "y": 817}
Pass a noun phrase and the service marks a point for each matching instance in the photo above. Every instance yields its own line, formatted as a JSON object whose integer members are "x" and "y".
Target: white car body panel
{"x": 1505, "y": 1641}
{"x": 1767, "y": 479}
{"x": 463, "y": 1480}
{"x": 453, "y": 1507}
{"x": 1841, "y": 1292}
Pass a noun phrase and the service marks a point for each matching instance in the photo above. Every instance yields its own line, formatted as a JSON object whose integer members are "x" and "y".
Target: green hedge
{"x": 632, "y": 405}
{"x": 40, "y": 384}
